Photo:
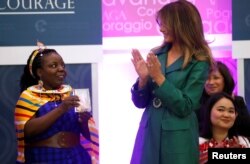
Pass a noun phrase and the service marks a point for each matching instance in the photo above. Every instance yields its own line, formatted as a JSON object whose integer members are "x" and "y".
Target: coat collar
{"x": 162, "y": 55}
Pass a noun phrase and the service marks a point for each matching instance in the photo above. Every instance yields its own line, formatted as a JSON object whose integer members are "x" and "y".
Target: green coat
{"x": 169, "y": 134}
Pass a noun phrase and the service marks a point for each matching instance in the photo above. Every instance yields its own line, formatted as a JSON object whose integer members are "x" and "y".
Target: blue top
{"x": 67, "y": 122}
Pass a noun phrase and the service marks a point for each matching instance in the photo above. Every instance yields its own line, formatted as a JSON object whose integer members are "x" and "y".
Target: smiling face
{"x": 223, "y": 114}
{"x": 52, "y": 72}
{"x": 214, "y": 83}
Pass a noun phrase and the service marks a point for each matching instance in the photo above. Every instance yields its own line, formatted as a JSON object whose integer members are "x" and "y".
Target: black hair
{"x": 229, "y": 83}
{"x": 206, "y": 130}
{"x": 27, "y": 79}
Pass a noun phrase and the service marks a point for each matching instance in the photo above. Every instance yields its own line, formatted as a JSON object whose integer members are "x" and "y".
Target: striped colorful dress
{"x": 34, "y": 101}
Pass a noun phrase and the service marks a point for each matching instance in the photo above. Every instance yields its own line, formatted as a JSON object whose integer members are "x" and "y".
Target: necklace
{"x": 61, "y": 90}
{"x": 44, "y": 95}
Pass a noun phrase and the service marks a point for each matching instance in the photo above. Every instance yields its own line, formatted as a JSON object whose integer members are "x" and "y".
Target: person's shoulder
{"x": 195, "y": 60}
{"x": 238, "y": 98}
{"x": 199, "y": 64}
{"x": 27, "y": 91}
{"x": 26, "y": 94}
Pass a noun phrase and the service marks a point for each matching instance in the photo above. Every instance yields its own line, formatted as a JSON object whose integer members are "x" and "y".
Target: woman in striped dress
{"x": 47, "y": 127}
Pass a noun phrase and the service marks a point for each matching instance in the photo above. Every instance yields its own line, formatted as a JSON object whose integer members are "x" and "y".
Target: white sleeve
{"x": 202, "y": 140}
{"x": 244, "y": 141}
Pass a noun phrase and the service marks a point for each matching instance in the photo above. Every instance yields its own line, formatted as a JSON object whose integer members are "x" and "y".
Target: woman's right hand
{"x": 37, "y": 125}
{"x": 70, "y": 102}
{"x": 139, "y": 64}
{"x": 140, "y": 67}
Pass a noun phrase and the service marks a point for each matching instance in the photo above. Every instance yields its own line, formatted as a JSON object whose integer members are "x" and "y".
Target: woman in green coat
{"x": 169, "y": 87}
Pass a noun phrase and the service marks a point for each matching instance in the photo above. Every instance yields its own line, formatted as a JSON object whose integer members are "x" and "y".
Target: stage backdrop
{"x": 131, "y": 24}
{"x": 241, "y": 44}
{"x": 64, "y": 25}
{"x": 137, "y": 17}
{"x": 134, "y": 20}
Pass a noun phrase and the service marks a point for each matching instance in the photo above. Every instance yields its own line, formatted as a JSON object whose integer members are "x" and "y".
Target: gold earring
{"x": 40, "y": 84}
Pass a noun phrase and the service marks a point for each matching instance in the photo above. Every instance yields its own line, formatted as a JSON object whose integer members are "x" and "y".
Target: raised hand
{"x": 139, "y": 64}
{"x": 235, "y": 143}
{"x": 154, "y": 68}
{"x": 140, "y": 67}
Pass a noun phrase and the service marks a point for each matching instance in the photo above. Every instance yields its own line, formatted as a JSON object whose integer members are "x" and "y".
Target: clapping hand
{"x": 154, "y": 66}
{"x": 150, "y": 68}
{"x": 139, "y": 64}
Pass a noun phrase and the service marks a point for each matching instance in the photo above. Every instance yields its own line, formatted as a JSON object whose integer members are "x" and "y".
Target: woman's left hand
{"x": 85, "y": 116}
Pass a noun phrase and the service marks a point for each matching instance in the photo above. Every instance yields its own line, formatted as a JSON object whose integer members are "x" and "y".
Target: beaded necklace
{"x": 50, "y": 95}
{"x": 61, "y": 90}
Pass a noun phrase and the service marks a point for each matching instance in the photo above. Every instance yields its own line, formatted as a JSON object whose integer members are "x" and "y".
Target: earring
{"x": 40, "y": 84}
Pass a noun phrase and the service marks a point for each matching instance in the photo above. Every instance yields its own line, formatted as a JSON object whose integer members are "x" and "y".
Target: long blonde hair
{"x": 184, "y": 23}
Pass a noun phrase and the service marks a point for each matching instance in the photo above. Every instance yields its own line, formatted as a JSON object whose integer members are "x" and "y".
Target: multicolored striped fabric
{"x": 29, "y": 103}
{"x": 92, "y": 145}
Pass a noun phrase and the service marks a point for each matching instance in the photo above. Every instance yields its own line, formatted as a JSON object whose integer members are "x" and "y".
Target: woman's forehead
{"x": 52, "y": 57}
{"x": 215, "y": 72}
{"x": 224, "y": 102}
